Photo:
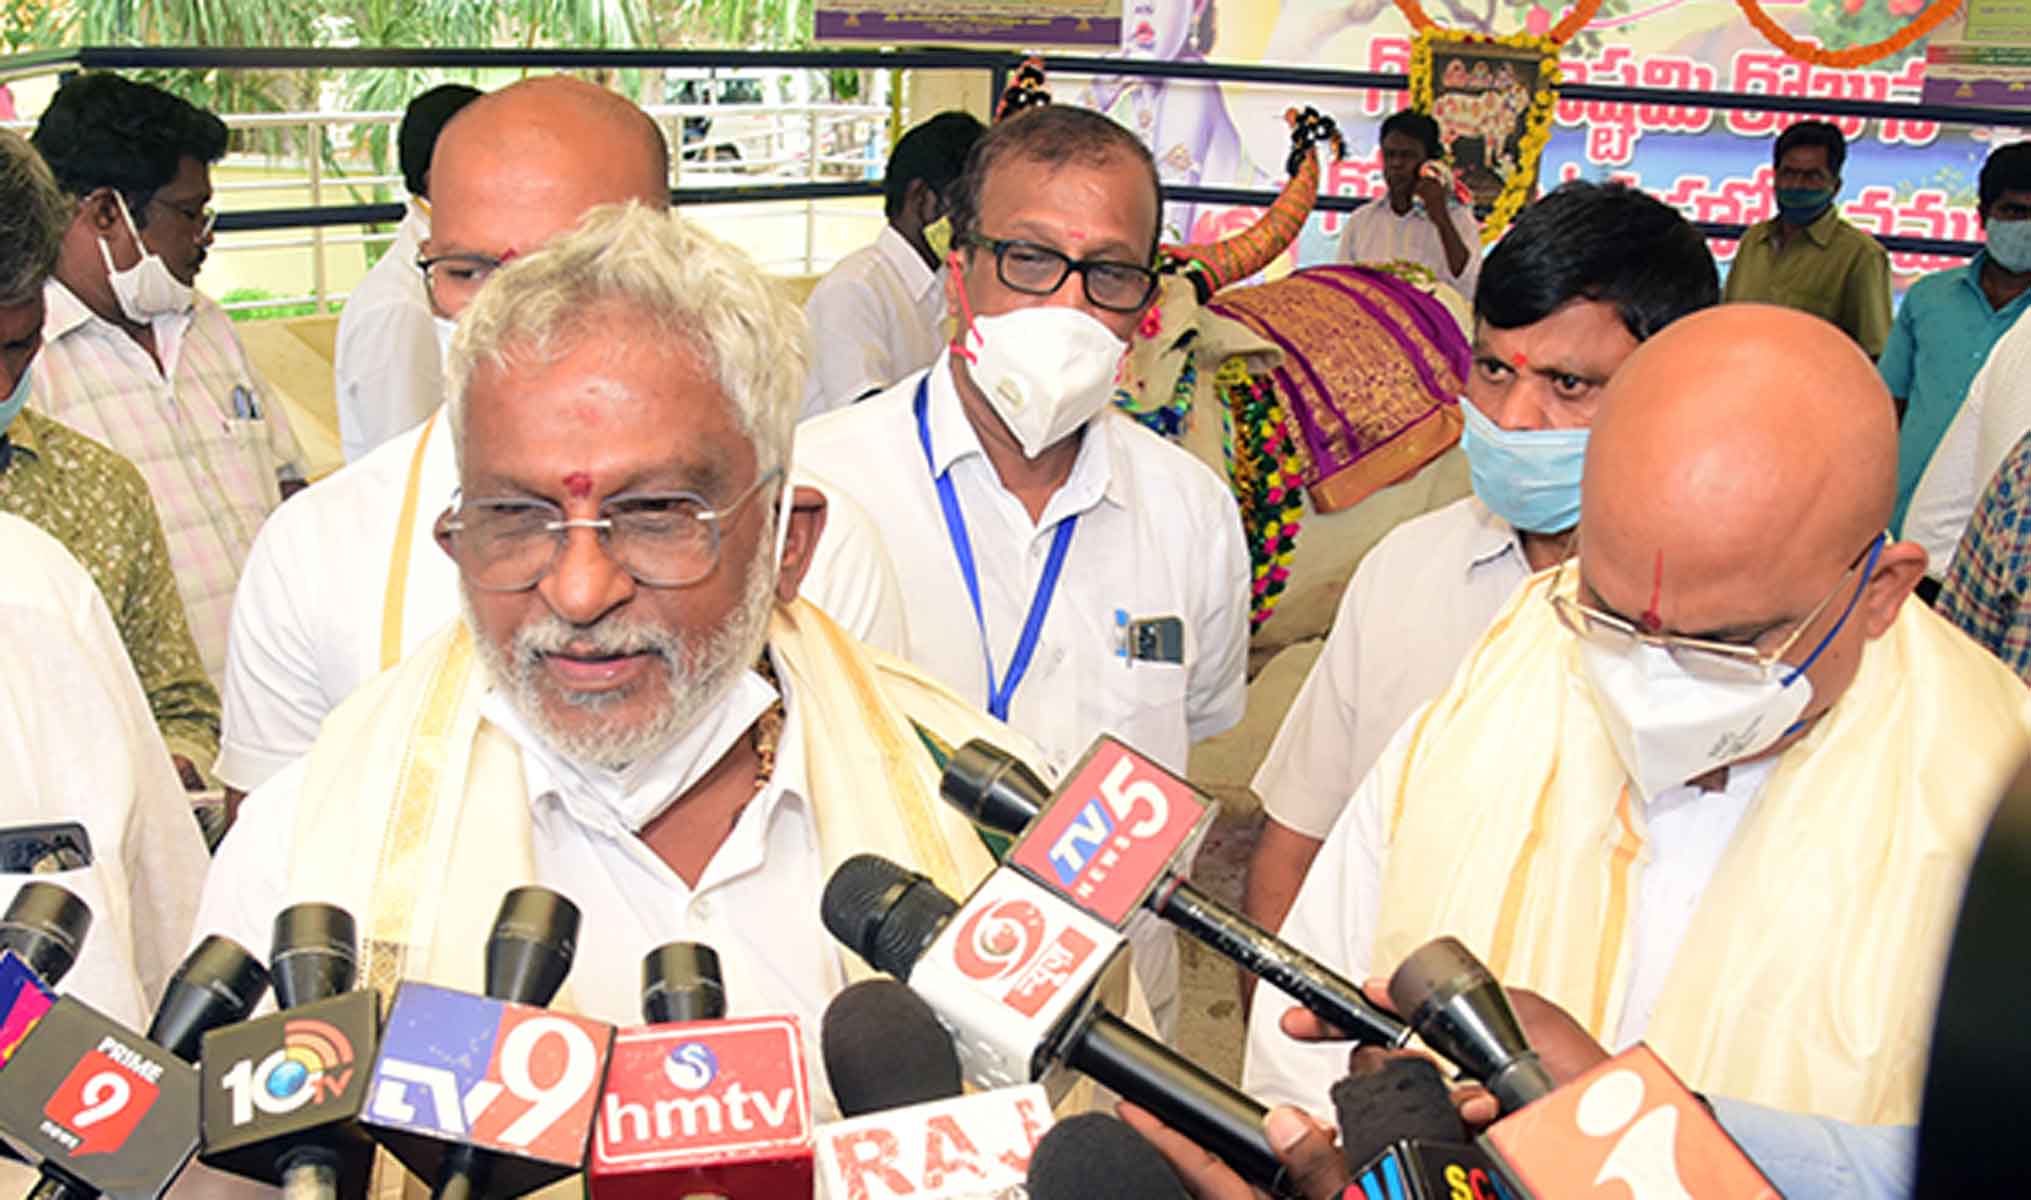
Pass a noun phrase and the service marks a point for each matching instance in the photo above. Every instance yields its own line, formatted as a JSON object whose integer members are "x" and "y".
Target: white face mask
{"x": 1669, "y": 726}
{"x": 1047, "y": 370}
{"x": 145, "y": 290}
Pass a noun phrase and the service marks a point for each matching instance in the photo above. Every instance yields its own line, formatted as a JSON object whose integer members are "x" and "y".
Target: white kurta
{"x": 307, "y": 619}
{"x": 874, "y": 319}
{"x": 1417, "y": 604}
{"x": 386, "y": 363}
{"x": 1996, "y": 413}
{"x": 1377, "y": 233}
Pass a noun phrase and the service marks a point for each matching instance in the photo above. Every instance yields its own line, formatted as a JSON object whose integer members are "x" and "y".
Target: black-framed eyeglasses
{"x": 662, "y": 539}
{"x": 454, "y": 279}
{"x": 1039, "y": 271}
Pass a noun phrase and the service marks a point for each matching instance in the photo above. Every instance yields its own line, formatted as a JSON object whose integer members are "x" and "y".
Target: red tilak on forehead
{"x": 578, "y": 483}
{"x": 1652, "y": 619}
{"x": 1519, "y": 360}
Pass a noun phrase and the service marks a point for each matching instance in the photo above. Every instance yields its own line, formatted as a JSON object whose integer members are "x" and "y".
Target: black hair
{"x": 1812, "y": 133}
{"x": 105, "y": 131}
{"x": 1052, "y": 135}
{"x": 422, "y": 121}
{"x": 1416, "y": 126}
{"x": 1598, "y": 241}
{"x": 934, "y": 152}
{"x": 2008, "y": 169}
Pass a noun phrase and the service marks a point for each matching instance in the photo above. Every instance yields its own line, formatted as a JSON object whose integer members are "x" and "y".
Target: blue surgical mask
{"x": 11, "y": 407}
{"x": 1802, "y": 206}
{"x": 2010, "y": 244}
{"x": 1528, "y": 477}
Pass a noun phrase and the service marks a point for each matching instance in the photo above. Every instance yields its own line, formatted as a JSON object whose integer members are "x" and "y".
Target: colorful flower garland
{"x": 1852, "y": 56}
{"x": 1266, "y": 468}
{"x": 1569, "y": 26}
{"x": 1537, "y": 118}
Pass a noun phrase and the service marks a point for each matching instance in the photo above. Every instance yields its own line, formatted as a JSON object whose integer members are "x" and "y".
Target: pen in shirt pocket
{"x": 245, "y": 408}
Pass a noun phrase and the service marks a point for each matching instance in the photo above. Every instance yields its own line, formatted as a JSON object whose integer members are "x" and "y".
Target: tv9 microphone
{"x": 492, "y": 1095}
{"x": 283, "y": 1093}
{"x": 908, "y": 1130}
{"x": 1626, "y": 1126}
{"x": 40, "y": 936}
{"x": 108, "y": 1111}
{"x": 697, "y": 1104}
{"x": 1116, "y": 837}
{"x": 1019, "y": 975}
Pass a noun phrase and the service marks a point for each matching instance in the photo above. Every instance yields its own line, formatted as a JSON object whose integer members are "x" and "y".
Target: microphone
{"x": 696, "y": 1104}
{"x": 908, "y": 1129}
{"x": 107, "y": 1111}
{"x": 283, "y": 1093}
{"x": 493, "y": 1095}
{"x": 1018, "y": 975}
{"x": 1627, "y": 1120}
{"x": 1116, "y": 836}
{"x": 40, "y": 935}
{"x": 1402, "y": 1139}
{"x": 1094, "y": 1156}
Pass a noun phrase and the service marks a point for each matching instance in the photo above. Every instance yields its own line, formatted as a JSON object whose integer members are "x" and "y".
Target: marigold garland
{"x": 1851, "y": 56}
{"x": 1537, "y": 118}
{"x": 1266, "y": 469}
{"x": 1569, "y": 26}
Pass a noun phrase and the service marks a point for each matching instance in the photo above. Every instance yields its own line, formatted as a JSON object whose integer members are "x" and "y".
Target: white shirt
{"x": 386, "y": 364}
{"x": 307, "y": 617}
{"x": 874, "y": 319}
{"x": 1334, "y": 918}
{"x": 1417, "y": 604}
{"x": 1995, "y": 415}
{"x": 756, "y": 903}
{"x": 1377, "y": 233}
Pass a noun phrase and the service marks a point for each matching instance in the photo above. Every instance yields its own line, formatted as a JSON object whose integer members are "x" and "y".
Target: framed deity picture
{"x": 1492, "y": 99}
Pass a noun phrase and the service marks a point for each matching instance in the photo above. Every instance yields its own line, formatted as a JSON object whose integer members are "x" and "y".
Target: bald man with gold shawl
{"x": 635, "y": 709}
{"x": 1715, "y": 783}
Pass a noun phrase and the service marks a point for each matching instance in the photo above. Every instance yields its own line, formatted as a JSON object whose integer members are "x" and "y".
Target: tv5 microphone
{"x": 908, "y": 1129}
{"x": 697, "y": 1104}
{"x": 1019, "y": 975}
{"x": 1115, "y": 838}
{"x": 40, "y": 936}
{"x": 283, "y": 1093}
{"x": 108, "y": 1111}
{"x": 492, "y": 1095}
{"x": 1627, "y": 1126}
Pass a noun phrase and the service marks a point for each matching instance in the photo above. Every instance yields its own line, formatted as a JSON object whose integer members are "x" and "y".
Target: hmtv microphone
{"x": 1627, "y": 1126}
{"x": 699, "y": 1104}
{"x": 1116, "y": 837}
{"x": 492, "y": 1095}
{"x": 40, "y": 936}
{"x": 907, "y": 1129}
{"x": 283, "y": 1093}
{"x": 1019, "y": 976}
{"x": 108, "y": 1111}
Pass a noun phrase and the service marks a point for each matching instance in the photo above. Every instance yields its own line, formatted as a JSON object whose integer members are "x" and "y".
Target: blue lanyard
{"x": 998, "y": 695}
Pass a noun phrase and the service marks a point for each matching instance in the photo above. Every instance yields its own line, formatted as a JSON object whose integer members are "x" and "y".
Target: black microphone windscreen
{"x": 219, "y": 983}
{"x": 313, "y": 954}
{"x": 1405, "y": 1099}
{"x": 46, "y": 925}
{"x": 882, "y": 912}
{"x": 1094, "y": 1156}
{"x": 681, "y": 982}
{"x": 529, "y": 952}
{"x": 884, "y": 1048}
{"x": 993, "y": 787}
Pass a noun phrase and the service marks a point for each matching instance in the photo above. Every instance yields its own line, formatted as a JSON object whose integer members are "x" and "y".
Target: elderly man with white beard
{"x": 635, "y": 708}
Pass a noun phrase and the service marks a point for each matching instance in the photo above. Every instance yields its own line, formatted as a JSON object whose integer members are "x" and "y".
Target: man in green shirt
{"x": 1807, "y": 257}
{"x": 83, "y": 494}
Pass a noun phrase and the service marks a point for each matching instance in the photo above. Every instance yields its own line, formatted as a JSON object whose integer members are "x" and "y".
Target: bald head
{"x": 519, "y": 166}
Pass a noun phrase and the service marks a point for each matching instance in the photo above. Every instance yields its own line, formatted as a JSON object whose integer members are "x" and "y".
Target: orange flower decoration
{"x": 1852, "y": 56}
{"x": 1576, "y": 19}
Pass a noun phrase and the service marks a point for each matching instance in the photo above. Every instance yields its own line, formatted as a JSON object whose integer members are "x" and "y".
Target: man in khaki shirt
{"x": 1807, "y": 257}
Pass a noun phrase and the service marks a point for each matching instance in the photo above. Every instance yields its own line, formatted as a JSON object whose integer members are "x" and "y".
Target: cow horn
{"x": 1215, "y": 265}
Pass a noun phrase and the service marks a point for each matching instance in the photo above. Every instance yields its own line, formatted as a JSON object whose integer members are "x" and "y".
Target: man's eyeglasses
{"x": 1702, "y": 658}
{"x": 454, "y": 279}
{"x": 1039, "y": 271}
{"x": 662, "y": 539}
{"x": 201, "y": 218}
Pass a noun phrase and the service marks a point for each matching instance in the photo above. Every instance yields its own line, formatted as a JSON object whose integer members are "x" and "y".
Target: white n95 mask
{"x": 1047, "y": 370}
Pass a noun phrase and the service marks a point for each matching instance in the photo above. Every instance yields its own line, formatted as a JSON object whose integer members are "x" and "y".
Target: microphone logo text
{"x": 97, "y": 1106}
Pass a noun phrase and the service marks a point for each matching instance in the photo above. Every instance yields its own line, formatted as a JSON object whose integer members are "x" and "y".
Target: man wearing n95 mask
{"x": 1587, "y": 274}
{"x": 1064, "y": 567}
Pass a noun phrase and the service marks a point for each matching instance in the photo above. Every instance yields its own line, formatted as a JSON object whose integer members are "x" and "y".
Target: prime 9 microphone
{"x": 107, "y": 1111}
{"x": 40, "y": 936}
{"x": 908, "y": 1131}
{"x": 492, "y": 1095}
{"x": 283, "y": 1093}
{"x": 1116, "y": 837}
{"x": 697, "y": 1104}
{"x": 1019, "y": 976}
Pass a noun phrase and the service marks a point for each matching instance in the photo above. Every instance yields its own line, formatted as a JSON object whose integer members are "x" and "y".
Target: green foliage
{"x": 263, "y": 312}
{"x": 1838, "y": 24}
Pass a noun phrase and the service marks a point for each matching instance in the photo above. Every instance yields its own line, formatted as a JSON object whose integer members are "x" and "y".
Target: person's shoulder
{"x": 1860, "y": 239}
{"x": 1443, "y": 533}
{"x": 849, "y": 430}
{"x": 69, "y": 450}
{"x": 29, "y": 549}
{"x": 1158, "y": 461}
{"x": 852, "y": 267}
